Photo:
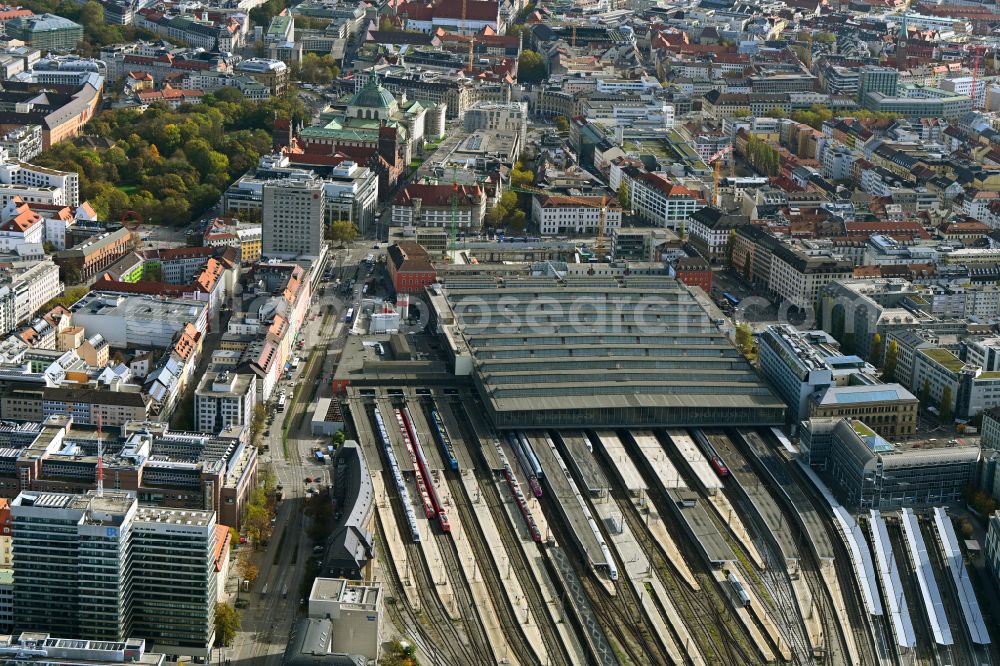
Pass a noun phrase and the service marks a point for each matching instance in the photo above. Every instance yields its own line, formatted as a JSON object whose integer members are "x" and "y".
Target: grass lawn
{"x": 127, "y": 189}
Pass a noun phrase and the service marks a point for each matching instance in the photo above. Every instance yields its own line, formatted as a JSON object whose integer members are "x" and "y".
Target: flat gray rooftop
{"x": 765, "y": 504}
{"x": 464, "y": 450}
{"x": 812, "y": 522}
{"x": 582, "y": 458}
{"x": 566, "y": 501}
{"x": 428, "y": 442}
{"x": 370, "y": 441}
{"x": 700, "y": 526}
{"x": 628, "y": 351}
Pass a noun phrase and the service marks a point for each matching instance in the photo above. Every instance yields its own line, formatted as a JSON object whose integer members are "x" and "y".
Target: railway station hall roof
{"x": 579, "y": 352}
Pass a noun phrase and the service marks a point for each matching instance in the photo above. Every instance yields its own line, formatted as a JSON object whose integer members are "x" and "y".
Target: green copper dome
{"x": 374, "y": 96}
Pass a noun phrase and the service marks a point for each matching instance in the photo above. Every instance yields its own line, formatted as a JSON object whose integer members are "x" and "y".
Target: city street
{"x": 282, "y": 563}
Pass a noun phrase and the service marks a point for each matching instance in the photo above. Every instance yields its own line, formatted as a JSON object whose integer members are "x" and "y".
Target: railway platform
{"x": 577, "y": 449}
{"x": 512, "y": 590}
{"x": 810, "y": 615}
{"x": 399, "y": 558}
{"x": 537, "y": 564}
{"x": 747, "y": 484}
{"x": 569, "y": 503}
{"x": 484, "y": 608}
{"x": 403, "y": 459}
{"x": 639, "y": 574}
{"x": 432, "y": 558}
{"x": 608, "y": 444}
{"x": 464, "y": 454}
{"x": 368, "y": 440}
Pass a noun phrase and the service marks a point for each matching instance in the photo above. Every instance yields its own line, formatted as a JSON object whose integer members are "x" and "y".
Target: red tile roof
{"x": 438, "y": 195}
{"x": 150, "y": 96}
{"x": 666, "y": 187}
{"x": 222, "y": 545}
{"x": 476, "y": 10}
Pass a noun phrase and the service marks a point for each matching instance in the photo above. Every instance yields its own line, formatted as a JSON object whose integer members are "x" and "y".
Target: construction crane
{"x": 453, "y": 238}
{"x": 572, "y": 41}
{"x": 472, "y": 38}
{"x": 599, "y": 245}
{"x": 716, "y": 160}
{"x": 977, "y": 62}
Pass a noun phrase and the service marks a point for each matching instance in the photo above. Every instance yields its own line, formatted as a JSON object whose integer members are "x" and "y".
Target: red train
{"x": 522, "y": 504}
{"x": 713, "y": 456}
{"x": 718, "y": 466}
{"x": 434, "y": 508}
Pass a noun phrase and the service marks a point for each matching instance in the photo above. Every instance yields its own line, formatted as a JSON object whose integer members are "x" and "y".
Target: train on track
{"x": 519, "y": 444}
{"x": 738, "y": 591}
{"x": 444, "y": 439}
{"x": 714, "y": 459}
{"x": 411, "y": 515}
{"x": 432, "y": 505}
{"x": 515, "y": 488}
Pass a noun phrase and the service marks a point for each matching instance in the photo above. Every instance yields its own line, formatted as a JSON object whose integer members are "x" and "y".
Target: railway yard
{"x": 643, "y": 546}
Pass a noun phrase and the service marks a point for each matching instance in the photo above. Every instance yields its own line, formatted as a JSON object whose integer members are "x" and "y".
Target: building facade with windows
{"x": 293, "y": 212}
{"x": 558, "y": 215}
{"x": 224, "y": 399}
{"x": 97, "y": 566}
{"x": 659, "y": 201}
{"x": 867, "y": 472}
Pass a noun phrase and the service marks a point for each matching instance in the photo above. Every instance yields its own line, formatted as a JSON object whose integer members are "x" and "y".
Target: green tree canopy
{"x": 171, "y": 164}
{"x": 875, "y": 357}
{"x": 744, "y": 337}
{"x": 317, "y": 68}
{"x": 530, "y": 67}
{"x": 227, "y": 623}
{"x": 624, "y": 199}
{"x": 343, "y": 231}
{"x": 946, "y": 411}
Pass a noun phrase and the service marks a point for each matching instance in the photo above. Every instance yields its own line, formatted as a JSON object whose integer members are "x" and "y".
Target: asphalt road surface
{"x": 268, "y": 619}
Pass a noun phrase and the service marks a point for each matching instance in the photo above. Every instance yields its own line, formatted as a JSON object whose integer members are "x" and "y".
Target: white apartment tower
{"x": 293, "y": 211}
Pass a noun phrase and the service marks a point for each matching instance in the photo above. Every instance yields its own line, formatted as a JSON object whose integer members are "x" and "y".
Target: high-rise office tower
{"x": 104, "y": 568}
{"x": 292, "y": 211}
{"x": 72, "y": 570}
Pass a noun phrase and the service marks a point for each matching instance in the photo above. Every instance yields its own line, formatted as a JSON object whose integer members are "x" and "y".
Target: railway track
{"x": 487, "y": 569}
{"x": 621, "y": 617}
{"x": 809, "y": 565}
{"x": 774, "y": 579}
{"x": 454, "y": 646}
{"x": 721, "y": 643}
{"x": 922, "y": 629}
{"x": 511, "y": 544}
{"x": 621, "y": 614}
{"x": 842, "y": 567}
{"x": 403, "y": 616}
{"x": 467, "y": 609}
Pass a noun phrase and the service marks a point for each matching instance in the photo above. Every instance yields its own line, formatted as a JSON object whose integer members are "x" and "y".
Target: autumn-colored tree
{"x": 227, "y": 623}
{"x": 875, "y": 357}
{"x": 891, "y": 359}
{"x": 245, "y": 566}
